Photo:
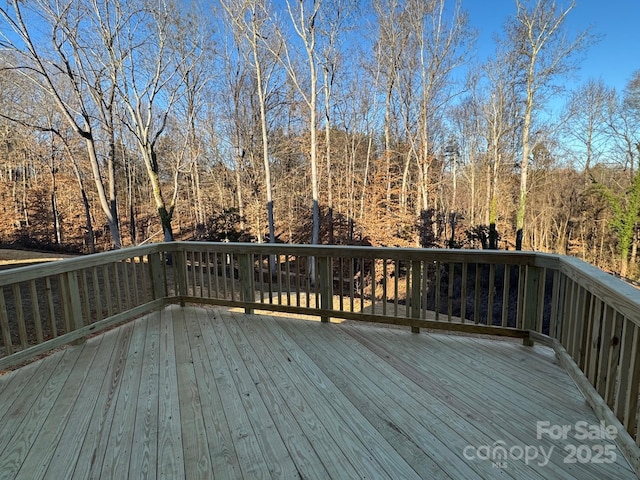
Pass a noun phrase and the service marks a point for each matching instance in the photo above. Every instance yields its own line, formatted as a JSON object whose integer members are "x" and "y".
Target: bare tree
{"x": 249, "y": 20}
{"x": 501, "y": 113}
{"x": 149, "y": 75}
{"x": 442, "y": 46}
{"x": 586, "y": 121}
{"x": 538, "y": 38}
{"x": 390, "y": 47}
{"x": 67, "y": 70}
{"x": 303, "y": 15}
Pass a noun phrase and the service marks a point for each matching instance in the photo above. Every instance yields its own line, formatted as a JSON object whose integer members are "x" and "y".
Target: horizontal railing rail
{"x": 591, "y": 318}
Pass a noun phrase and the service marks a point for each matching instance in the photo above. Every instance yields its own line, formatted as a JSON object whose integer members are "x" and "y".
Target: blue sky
{"x": 613, "y": 59}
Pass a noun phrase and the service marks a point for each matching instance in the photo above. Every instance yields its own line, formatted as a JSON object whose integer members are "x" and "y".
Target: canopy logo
{"x": 581, "y": 442}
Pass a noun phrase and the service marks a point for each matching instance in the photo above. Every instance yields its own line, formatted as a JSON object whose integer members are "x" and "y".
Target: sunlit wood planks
{"x": 202, "y": 392}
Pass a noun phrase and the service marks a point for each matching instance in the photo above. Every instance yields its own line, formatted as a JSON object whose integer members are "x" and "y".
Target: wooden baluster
{"x": 4, "y": 325}
{"x": 287, "y": 264}
{"x": 373, "y": 286}
{"x": 506, "y": 287}
{"x": 191, "y": 291}
{"x": 136, "y": 282}
{"x": 106, "y": 278}
{"x": 208, "y": 260}
{"x": 278, "y": 271}
{"x": 270, "y": 280}
{"x": 576, "y": 343}
{"x": 450, "y": 282}
{"x": 396, "y": 286}
{"x": 384, "y": 285}
{"x": 626, "y": 402}
{"x": 298, "y": 278}
{"x": 352, "y": 280}
{"x": 612, "y": 362}
{"x": 125, "y": 266}
{"x": 201, "y": 273}
{"x": 567, "y": 314}
{"x": 35, "y": 311}
{"x": 490, "y": 293}
{"x": 595, "y": 341}
{"x": 261, "y": 273}
{"x": 542, "y": 286}
{"x": 96, "y": 294}
{"x": 521, "y": 296}
{"x": 438, "y": 287}
{"x": 604, "y": 346}
{"x": 50, "y": 307}
{"x": 416, "y": 289}
{"x": 463, "y": 293}
{"x": 424, "y": 289}
{"x": 307, "y": 283}
{"x": 588, "y": 331}
{"x": 232, "y": 270}
{"x": 224, "y": 263}
{"x": 362, "y": 284}
{"x": 216, "y": 278}
{"x": 555, "y": 306}
{"x": 22, "y": 329}
{"x": 476, "y": 297}
{"x": 143, "y": 267}
{"x": 84, "y": 290}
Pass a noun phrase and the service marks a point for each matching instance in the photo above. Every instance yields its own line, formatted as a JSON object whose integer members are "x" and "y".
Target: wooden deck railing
{"x": 591, "y": 318}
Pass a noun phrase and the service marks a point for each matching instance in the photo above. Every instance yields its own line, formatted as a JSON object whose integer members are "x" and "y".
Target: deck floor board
{"x": 202, "y": 392}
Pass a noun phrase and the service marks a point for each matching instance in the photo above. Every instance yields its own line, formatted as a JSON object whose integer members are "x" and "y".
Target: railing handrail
{"x": 30, "y": 272}
{"x": 512, "y": 257}
{"x": 611, "y": 289}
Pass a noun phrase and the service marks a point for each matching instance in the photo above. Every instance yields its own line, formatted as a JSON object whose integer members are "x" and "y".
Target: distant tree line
{"x": 311, "y": 121}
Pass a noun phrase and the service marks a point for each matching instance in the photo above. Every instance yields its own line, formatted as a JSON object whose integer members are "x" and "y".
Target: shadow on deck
{"x": 204, "y": 392}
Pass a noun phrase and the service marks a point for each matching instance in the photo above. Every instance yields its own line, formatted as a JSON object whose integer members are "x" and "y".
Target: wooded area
{"x": 311, "y": 121}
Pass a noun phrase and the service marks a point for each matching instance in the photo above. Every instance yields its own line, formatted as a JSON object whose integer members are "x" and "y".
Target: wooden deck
{"x": 206, "y": 393}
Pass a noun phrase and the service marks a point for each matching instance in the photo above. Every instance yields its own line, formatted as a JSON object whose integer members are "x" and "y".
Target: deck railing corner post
{"x": 74, "y": 304}
{"x": 180, "y": 258}
{"x": 246, "y": 279}
{"x": 325, "y": 282}
{"x": 158, "y": 286}
{"x": 533, "y": 278}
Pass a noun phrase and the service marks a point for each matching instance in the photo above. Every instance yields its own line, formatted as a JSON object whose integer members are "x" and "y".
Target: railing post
{"x": 416, "y": 276}
{"x": 246, "y": 280}
{"x": 180, "y": 258}
{"x": 158, "y": 285}
{"x": 325, "y": 281}
{"x": 73, "y": 302}
{"x": 530, "y": 312}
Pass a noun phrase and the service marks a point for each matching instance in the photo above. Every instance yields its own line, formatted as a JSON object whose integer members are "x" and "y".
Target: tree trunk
{"x": 265, "y": 146}
{"x": 85, "y": 203}
{"x": 327, "y": 130}
{"x": 524, "y": 163}
{"x": 624, "y": 262}
{"x": 165, "y": 214}
{"x": 108, "y": 207}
